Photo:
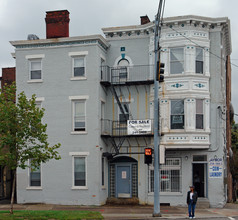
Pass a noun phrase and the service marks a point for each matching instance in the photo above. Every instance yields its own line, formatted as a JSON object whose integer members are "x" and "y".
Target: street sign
{"x": 216, "y": 168}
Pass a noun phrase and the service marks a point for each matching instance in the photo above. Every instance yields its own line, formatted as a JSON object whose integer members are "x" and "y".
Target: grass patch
{"x": 51, "y": 214}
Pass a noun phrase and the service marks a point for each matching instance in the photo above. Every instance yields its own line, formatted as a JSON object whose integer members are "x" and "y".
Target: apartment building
{"x": 98, "y": 96}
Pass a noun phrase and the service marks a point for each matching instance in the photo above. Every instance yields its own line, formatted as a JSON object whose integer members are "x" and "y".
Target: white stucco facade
{"x": 83, "y": 114}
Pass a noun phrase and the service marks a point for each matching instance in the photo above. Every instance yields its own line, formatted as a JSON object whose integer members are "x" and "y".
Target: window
{"x": 79, "y": 117}
{"x": 176, "y": 60}
{"x": 170, "y": 176}
{"x": 177, "y": 114}
{"x": 78, "y": 114}
{"x": 124, "y": 117}
{"x": 199, "y": 60}
{"x": 123, "y": 70}
{"x": 35, "y": 69}
{"x": 35, "y": 175}
{"x": 79, "y": 171}
{"x": 79, "y": 66}
{"x": 199, "y": 114}
{"x": 103, "y": 173}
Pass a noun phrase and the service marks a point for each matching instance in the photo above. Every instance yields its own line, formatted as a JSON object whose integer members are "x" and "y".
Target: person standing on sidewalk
{"x": 192, "y": 197}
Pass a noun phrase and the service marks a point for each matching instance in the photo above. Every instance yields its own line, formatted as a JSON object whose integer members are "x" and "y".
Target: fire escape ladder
{"x": 118, "y": 101}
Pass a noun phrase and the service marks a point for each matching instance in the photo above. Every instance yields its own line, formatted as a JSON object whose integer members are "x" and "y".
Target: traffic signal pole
{"x": 156, "y": 212}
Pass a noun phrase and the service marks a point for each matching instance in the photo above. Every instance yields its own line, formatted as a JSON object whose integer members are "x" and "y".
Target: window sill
{"x": 79, "y": 187}
{"x": 35, "y": 81}
{"x": 78, "y": 78}
{"x": 79, "y": 132}
{"x": 34, "y": 188}
{"x": 167, "y": 194}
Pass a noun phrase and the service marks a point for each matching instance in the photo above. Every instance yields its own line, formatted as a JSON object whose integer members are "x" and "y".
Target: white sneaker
{"x": 194, "y": 217}
{"x": 190, "y": 217}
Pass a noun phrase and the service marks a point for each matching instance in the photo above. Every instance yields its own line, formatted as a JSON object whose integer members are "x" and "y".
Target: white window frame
{"x": 202, "y": 61}
{"x": 180, "y": 61}
{"x": 78, "y": 54}
{"x": 79, "y": 155}
{"x": 80, "y": 99}
{"x": 166, "y": 167}
{"x": 29, "y": 178}
{"x": 30, "y": 59}
{"x": 199, "y": 114}
{"x": 177, "y": 114}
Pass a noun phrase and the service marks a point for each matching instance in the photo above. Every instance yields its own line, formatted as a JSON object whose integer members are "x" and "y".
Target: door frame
{"x": 130, "y": 179}
{"x": 205, "y": 176}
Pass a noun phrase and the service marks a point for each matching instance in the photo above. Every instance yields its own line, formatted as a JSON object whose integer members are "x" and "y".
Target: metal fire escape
{"x": 116, "y": 79}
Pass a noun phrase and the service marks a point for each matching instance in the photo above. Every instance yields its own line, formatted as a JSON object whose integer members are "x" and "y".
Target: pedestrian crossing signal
{"x": 148, "y": 156}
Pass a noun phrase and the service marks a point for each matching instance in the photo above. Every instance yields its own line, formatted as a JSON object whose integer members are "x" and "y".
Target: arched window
{"x": 123, "y": 69}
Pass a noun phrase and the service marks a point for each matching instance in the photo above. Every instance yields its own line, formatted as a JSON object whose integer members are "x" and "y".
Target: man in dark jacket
{"x": 192, "y": 197}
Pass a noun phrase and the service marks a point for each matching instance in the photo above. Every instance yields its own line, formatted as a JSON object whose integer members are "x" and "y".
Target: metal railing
{"x": 119, "y": 128}
{"x": 118, "y": 75}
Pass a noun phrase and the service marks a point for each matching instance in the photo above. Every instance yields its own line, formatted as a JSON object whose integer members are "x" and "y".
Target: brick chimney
{"x": 8, "y": 76}
{"x": 144, "y": 20}
{"x": 57, "y": 24}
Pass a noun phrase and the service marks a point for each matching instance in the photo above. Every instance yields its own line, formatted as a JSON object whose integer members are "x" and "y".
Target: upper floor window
{"x": 199, "y": 114}
{"x": 79, "y": 66}
{"x": 124, "y": 117}
{"x": 177, "y": 114}
{"x": 199, "y": 60}
{"x": 176, "y": 60}
{"x": 123, "y": 70}
{"x": 35, "y": 69}
{"x": 79, "y": 115}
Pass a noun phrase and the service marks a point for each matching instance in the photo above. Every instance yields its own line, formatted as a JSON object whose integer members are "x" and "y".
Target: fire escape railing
{"x": 119, "y": 129}
{"x": 128, "y": 74}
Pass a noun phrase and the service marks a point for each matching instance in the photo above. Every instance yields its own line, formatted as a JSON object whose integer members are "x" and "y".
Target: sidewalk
{"x": 137, "y": 212}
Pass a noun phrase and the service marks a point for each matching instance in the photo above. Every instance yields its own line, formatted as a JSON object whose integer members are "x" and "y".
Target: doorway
{"x": 123, "y": 177}
{"x": 123, "y": 181}
{"x": 199, "y": 177}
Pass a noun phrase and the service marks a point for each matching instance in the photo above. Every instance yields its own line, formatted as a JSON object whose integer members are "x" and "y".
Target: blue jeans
{"x": 191, "y": 208}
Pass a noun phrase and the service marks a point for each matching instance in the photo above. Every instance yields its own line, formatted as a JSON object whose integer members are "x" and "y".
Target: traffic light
{"x": 160, "y": 72}
{"x": 148, "y": 155}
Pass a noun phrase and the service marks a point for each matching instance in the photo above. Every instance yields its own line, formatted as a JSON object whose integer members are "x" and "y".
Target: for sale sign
{"x": 136, "y": 127}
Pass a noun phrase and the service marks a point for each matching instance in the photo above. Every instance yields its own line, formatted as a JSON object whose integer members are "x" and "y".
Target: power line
{"x": 202, "y": 47}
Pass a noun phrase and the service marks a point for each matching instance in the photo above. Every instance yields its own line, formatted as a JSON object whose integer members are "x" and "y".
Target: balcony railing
{"x": 119, "y": 128}
{"x": 127, "y": 75}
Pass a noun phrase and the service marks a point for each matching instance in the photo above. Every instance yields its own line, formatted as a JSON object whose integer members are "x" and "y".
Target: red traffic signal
{"x": 148, "y": 155}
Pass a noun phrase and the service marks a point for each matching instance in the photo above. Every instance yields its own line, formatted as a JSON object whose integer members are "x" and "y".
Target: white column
{"x": 190, "y": 111}
{"x": 207, "y": 115}
{"x": 164, "y": 115}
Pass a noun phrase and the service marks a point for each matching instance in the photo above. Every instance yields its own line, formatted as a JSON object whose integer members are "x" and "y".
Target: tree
{"x": 22, "y": 134}
{"x": 234, "y": 159}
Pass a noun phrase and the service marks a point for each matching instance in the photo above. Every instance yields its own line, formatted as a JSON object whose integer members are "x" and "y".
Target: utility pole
{"x": 156, "y": 116}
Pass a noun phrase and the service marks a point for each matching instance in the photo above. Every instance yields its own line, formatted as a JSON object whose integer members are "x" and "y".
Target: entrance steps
{"x": 123, "y": 201}
{"x": 202, "y": 203}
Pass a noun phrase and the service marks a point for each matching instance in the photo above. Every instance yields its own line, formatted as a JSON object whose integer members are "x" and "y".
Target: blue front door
{"x": 123, "y": 183}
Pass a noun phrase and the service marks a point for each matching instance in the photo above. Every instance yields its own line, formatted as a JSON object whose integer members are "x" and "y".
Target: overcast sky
{"x": 18, "y": 18}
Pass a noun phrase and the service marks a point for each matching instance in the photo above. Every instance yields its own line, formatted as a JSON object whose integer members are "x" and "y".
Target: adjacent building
{"x": 98, "y": 96}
